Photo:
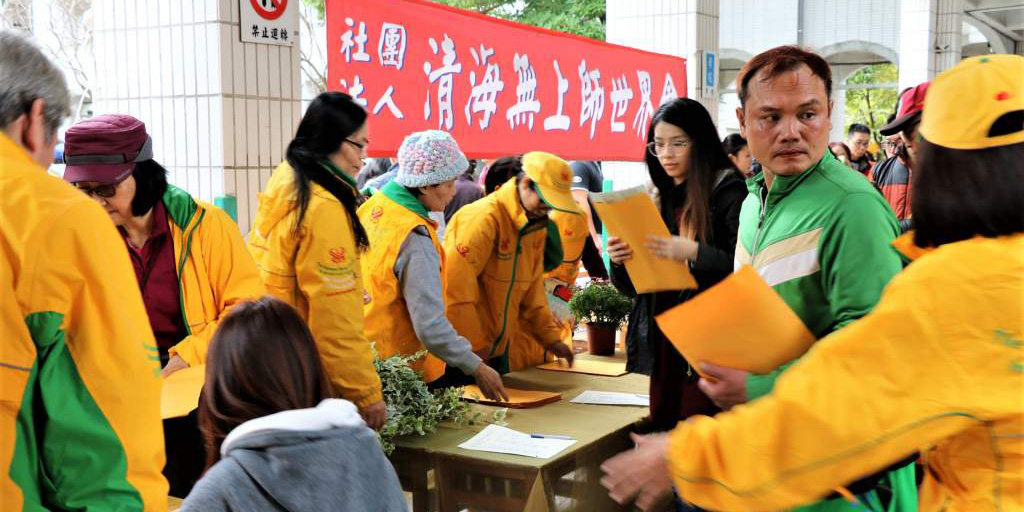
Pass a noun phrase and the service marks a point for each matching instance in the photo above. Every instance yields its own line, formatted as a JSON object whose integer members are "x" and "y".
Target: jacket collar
{"x": 405, "y": 199}
{"x": 181, "y": 207}
{"x": 10, "y": 150}
{"x": 342, "y": 175}
{"x": 330, "y": 413}
{"x": 508, "y": 200}
{"x": 784, "y": 185}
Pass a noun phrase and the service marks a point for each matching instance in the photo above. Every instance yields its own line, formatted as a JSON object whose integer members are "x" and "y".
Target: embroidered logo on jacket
{"x": 337, "y": 255}
{"x": 376, "y": 214}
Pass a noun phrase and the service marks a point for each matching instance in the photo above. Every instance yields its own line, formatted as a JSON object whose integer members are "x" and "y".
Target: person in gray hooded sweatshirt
{"x": 276, "y": 440}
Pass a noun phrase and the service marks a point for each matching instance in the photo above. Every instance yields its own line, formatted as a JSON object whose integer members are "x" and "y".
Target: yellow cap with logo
{"x": 552, "y": 175}
{"x": 978, "y": 104}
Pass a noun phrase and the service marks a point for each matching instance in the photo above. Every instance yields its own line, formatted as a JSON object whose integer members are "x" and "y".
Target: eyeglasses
{"x": 356, "y": 144}
{"x": 861, "y": 143}
{"x": 660, "y": 148}
{"x": 105, "y": 191}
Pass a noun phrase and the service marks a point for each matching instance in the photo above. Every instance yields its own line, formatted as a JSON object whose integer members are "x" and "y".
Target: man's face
{"x": 535, "y": 206}
{"x": 858, "y": 143}
{"x": 890, "y": 144}
{"x": 910, "y": 141}
{"x": 786, "y": 120}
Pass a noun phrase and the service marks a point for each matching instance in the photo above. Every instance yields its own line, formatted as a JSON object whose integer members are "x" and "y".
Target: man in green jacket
{"x": 815, "y": 230}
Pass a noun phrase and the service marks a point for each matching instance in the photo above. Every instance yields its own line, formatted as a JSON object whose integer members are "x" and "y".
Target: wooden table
{"x": 442, "y": 476}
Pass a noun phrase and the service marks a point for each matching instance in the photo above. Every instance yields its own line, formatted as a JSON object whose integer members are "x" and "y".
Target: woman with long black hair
{"x": 699, "y": 195}
{"x": 307, "y": 241}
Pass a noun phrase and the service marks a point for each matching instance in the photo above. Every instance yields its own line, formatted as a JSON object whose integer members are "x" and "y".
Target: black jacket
{"x": 714, "y": 262}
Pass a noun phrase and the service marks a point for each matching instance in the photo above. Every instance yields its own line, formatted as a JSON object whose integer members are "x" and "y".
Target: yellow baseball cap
{"x": 978, "y": 104}
{"x": 552, "y": 176}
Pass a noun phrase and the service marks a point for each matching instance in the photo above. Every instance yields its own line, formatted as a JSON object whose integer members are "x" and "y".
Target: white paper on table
{"x": 611, "y": 398}
{"x": 505, "y": 440}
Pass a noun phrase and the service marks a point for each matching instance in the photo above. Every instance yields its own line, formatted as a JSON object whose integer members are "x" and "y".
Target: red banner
{"x": 500, "y": 88}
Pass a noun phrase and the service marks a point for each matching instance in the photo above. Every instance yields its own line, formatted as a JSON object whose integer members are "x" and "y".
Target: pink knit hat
{"x": 429, "y": 158}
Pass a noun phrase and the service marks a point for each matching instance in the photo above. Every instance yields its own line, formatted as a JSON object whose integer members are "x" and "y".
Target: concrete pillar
{"x": 220, "y": 112}
{"x": 930, "y": 39}
{"x": 677, "y": 27}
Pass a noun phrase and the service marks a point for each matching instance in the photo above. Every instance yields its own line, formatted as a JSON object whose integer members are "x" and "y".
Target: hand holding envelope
{"x": 739, "y": 323}
{"x": 632, "y": 217}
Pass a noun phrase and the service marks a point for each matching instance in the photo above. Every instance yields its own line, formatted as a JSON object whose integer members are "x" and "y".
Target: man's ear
{"x": 743, "y": 124}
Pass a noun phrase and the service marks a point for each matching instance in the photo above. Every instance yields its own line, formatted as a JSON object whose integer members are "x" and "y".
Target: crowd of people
{"x": 911, "y": 397}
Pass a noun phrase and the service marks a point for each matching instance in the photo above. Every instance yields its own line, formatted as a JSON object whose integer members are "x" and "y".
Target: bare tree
{"x": 70, "y": 21}
{"x": 312, "y": 57}
{"x": 16, "y": 14}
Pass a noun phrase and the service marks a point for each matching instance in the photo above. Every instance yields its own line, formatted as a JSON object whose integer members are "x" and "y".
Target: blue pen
{"x": 545, "y": 436}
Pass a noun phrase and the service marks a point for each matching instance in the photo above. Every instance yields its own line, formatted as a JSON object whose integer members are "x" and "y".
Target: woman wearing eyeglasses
{"x": 307, "y": 242}
{"x": 699, "y": 198}
{"x": 189, "y": 257}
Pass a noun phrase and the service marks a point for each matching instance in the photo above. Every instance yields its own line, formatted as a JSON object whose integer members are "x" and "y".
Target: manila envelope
{"x": 180, "y": 393}
{"x": 631, "y": 215}
{"x": 739, "y": 323}
{"x": 517, "y": 398}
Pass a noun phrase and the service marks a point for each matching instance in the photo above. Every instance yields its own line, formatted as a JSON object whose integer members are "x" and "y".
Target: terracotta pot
{"x": 602, "y": 339}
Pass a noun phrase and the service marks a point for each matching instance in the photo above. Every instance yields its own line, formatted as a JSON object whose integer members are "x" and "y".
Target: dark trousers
{"x": 186, "y": 453}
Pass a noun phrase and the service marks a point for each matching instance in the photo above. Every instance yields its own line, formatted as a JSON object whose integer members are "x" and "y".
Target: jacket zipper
{"x": 185, "y": 251}
{"x": 765, "y": 191}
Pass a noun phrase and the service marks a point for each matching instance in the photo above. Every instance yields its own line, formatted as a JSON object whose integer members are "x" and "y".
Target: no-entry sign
{"x": 500, "y": 88}
{"x": 269, "y": 21}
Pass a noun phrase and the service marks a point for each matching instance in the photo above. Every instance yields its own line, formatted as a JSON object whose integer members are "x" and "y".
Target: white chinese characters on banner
{"x": 526, "y": 105}
{"x": 668, "y": 93}
{"x": 621, "y": 94}
{"x": 592, "y": 94}
{"x": 443, "y": 77}
{"x": 646, "y": 110}
{"x": 486, "y": 85}
{"x": 355, "y": 42}
{"x": 391, "y": 49}
{"x": 355, "y": 90}
{"x": 483, "y": 97}
{"x": 559, "y": 121}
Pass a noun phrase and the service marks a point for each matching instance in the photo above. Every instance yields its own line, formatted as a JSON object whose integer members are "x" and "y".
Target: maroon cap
{"x": 105, "y": 148}
{"x": 908, "y": 109}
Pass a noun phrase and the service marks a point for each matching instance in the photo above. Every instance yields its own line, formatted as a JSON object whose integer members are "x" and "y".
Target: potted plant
{"x": 604, "y": 310}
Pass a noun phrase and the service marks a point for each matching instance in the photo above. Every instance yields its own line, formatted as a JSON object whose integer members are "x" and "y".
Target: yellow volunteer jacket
{"x": 573, "y": 231}
{"x": 937, "y": 366}
{"x": 80, "y": 424}
{"x": 389, "y": 217}
{"x": 315, "y": 268}
{"x": 495, "y": 275}
{"x": 215, "y": 271}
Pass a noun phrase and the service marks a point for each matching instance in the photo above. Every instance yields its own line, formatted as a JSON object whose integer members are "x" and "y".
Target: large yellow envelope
{"x": 739, "y": 323}
{"x": 180, "y": 394}
{"x": 605, "y": 368}
{"x": 517, "y": 398}
{"x": 631, "y": 215}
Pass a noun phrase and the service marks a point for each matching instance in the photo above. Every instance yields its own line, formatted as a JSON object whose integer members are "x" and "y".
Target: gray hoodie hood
{"x": 323, "y": 458}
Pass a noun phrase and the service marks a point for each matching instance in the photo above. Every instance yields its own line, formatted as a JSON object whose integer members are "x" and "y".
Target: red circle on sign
{"x": 280, "y": 5}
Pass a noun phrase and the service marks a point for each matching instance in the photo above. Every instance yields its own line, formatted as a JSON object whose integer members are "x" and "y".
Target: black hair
{"x": 150, "y": 186}
{"x": 329, "y": 120}
{"x": 707, "y": 159}
{"x": 733, "y": 143}
{"x": 500, "y": 171}
{"x": 415, "y": 191}
{"x": 960, "y": 194}
{"x": 779, "y": 60}
{"x": 858, "y": 128}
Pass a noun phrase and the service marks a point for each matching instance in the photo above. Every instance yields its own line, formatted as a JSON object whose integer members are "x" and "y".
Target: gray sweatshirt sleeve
{"x": 418, "y": 270}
